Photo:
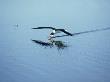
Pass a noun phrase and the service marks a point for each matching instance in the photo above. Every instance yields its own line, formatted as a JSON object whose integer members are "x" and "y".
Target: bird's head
{"x": 54, "y": 31}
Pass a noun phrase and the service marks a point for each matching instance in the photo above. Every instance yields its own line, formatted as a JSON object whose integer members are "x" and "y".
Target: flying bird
{"x": 54, "y": 30}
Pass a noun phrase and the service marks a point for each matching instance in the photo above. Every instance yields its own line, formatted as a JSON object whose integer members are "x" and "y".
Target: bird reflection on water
{"x": 58, "y": 44}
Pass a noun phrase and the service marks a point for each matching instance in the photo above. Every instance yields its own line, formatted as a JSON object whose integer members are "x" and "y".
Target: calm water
{"x": 87, "y": 59}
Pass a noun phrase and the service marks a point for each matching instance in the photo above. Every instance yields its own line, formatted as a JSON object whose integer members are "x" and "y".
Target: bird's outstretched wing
{"x": 42, "y": 43}
{"x": 65, "y": 32}
{"x": 44, "y": 28}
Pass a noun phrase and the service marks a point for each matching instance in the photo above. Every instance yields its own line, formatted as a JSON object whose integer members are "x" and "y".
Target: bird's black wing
{"x": 44, "y": 28}
{"x": 65, "y": 32}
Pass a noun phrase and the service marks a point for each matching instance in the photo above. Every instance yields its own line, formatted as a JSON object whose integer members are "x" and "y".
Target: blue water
{"x": 87, "y": 59}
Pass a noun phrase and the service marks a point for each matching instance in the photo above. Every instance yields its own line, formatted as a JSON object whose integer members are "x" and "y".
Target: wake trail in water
{"x": 84, "y": 32}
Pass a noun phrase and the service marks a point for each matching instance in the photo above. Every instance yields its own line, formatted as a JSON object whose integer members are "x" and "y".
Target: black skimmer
{"x": 54, "y": 30}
